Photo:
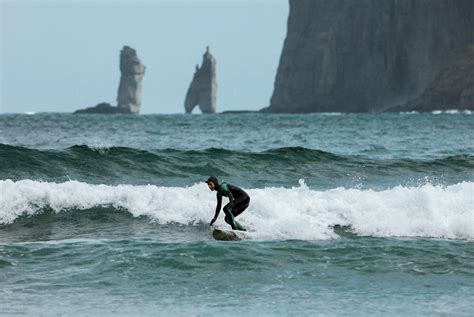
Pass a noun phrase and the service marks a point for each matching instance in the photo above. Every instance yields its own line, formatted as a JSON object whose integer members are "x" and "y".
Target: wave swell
{"x": 273, "y": 167}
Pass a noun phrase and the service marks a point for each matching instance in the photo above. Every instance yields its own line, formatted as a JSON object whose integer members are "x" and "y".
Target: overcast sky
{"x": 59, "y": 56}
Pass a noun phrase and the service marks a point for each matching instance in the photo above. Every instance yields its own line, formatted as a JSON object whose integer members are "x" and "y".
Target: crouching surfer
{"x": 239, "y": 201}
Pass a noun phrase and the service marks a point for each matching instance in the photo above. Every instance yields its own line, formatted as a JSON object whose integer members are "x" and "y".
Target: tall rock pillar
{"x": 203, "y": 88}
{"x": 129, "y": 97}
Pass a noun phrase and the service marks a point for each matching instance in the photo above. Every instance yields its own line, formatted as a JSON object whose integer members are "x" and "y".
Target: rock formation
{"x": 130, "y": 89}
{"x": 366, "y": 55}
{"x": 203, "y": 88}
{"x": 129, "y": 95}
{"x": 104, "y": 108}
{"x": 452, "y": 88}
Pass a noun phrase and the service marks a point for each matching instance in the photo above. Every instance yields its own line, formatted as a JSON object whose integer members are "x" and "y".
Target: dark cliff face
{"x": 366, "y": 55}
{"x": 452, "y": 88}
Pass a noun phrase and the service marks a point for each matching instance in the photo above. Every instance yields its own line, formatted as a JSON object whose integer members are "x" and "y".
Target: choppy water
{"x": 358, "y": 214}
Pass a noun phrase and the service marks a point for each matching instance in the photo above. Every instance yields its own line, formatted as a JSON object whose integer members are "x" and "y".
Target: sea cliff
{"x": 366, "y": 55}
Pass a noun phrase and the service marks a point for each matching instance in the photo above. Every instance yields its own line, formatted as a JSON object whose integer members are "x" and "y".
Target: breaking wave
{"x": 275, "y": 213}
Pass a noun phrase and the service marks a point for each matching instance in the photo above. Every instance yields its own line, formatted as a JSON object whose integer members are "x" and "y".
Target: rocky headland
{"x": 370, "y": 55}
{"x": 129, "y": 96}
{"x": 203, "y": 88}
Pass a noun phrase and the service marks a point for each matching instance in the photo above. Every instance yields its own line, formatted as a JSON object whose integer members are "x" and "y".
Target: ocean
{"x": 350, "y": 215}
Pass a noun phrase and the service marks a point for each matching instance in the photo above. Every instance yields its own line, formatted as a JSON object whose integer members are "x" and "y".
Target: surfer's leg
{"x": 238, "y": 226}
{"x": 229, "y": 217}
{"x": 233, "y": 210}
{"x": 240, "y": 205}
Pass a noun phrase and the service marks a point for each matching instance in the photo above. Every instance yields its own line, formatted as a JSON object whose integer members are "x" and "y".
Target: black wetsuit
{"x": 239, "y": 201}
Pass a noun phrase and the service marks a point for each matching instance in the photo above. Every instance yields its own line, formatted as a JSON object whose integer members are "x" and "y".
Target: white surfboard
{"x": 230, "y": 235}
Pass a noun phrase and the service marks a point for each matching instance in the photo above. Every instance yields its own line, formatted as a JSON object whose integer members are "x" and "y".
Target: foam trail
{"x": 274, "y": 213}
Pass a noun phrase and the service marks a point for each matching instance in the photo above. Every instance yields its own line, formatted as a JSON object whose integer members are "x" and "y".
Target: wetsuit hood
{"x": 214, "y": 180}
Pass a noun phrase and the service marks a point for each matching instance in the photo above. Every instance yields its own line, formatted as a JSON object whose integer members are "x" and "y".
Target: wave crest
{"x": 274, "y": 213}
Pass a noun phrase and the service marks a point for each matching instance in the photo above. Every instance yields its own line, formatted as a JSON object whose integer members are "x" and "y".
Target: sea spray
{"x": 275, "y": 213}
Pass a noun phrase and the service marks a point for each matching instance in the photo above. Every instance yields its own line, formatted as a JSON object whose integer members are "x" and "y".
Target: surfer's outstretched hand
{"x": 212, "y": 221}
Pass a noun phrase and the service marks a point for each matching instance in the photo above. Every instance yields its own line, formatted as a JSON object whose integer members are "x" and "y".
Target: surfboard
{"x": 230, "y": 235}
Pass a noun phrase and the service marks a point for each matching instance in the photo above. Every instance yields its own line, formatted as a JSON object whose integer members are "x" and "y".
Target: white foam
{"x": 452, "y": 111}
{"x": 100, "y": 147}
{"x": 274, "y": 213}
{"x": 330, "y": 113}
{"x": 409, "y": 112}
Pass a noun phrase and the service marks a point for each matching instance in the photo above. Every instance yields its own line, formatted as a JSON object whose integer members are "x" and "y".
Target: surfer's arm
{"x": 218, "y": 208}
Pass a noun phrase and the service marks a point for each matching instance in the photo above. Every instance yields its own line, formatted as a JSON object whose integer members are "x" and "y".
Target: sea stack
{"x": 129, "y": 96}
{"x": 366, "y": 55}
{"x": 203, "y": 88}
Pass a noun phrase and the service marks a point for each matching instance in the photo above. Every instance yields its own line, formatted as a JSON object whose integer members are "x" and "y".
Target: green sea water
{"x": 350, "y": 214}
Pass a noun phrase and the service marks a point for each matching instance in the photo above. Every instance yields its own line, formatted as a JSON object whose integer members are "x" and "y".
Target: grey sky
{"x": 62, "y": 56}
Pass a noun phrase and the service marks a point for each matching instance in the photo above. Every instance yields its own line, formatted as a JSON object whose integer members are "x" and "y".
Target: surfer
{"x": 238, "y": 201}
